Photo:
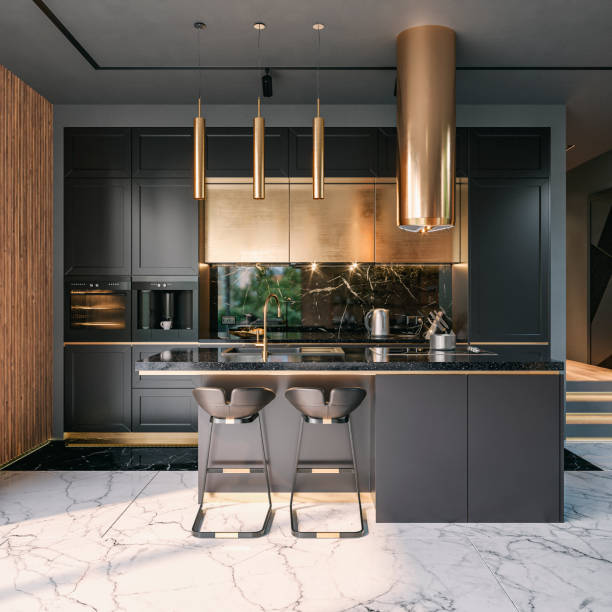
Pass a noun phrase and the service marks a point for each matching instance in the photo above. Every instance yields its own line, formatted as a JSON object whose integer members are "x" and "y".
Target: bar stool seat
{"x": 311, "y": 403}
{"x": 245, "y": 406}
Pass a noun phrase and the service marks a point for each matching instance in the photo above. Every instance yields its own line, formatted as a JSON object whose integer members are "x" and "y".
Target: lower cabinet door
{"x": 142, "y": 352}
{"x": 97, "y": 388}
{"x": 421, "y": 448}
{"x": 164, "y": 410}
{"x": 514, "y": 448}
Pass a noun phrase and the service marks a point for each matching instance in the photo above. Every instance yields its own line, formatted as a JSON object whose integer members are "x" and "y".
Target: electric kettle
{"x": 377, "y": 322}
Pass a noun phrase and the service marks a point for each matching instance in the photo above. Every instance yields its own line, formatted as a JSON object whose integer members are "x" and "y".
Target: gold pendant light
{"x": 199, "y": 135}
{"x": 318, "y": 133}
{"x": 259, "y": 175}
{"x": 259, "y": 135}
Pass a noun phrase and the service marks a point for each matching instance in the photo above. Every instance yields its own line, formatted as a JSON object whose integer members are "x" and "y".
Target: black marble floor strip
{"x": 575, "y": 463}
{"x": 58, "y": 456}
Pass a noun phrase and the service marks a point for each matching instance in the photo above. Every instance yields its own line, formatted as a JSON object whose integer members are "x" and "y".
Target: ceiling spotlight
{"x": 199, "y": 25}
{"x": 266, "y": 84}
{"x": 318, "y": 26}
{"x": 259, "y": 25}
{"x": 353, "y": 266}
{"x": 570, "y": 147}
{"x": 314, "y": 266}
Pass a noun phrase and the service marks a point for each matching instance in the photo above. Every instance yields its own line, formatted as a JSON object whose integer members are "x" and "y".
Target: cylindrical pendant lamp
{"x": 259, "y": 174}
{"x": 199, "y": 159}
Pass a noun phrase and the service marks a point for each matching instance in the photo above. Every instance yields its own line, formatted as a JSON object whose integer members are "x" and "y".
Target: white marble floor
{"x": 121, "y": 541}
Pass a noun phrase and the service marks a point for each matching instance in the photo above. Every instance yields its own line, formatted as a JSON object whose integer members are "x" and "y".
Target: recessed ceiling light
{"x": 570, "y": 147}
{"x": 259, "y": 25}
{"x": 199, "y": 25}
{"x": 318, "y": 26}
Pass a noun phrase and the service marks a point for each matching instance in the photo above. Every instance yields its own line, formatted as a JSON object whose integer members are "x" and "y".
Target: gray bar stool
{"x": 311, "y": 403}
{"x": 244, "y": 407}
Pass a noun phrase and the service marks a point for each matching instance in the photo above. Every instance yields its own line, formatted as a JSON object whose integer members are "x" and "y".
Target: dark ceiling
{"x": 490, "y": 33}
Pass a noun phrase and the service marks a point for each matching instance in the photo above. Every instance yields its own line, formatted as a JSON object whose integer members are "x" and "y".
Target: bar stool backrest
{"x": 244, "y": 401}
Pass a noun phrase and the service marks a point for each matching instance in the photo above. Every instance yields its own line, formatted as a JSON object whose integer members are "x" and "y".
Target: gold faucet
{"x": 264, "y": 350}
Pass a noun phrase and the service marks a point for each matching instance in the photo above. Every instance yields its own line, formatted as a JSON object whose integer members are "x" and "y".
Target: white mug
{"x": 166, "y": 325}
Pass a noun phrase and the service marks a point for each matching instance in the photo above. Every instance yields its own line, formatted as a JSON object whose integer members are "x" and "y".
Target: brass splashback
{"x": 239, "y": 229}
{"x": 339, "y": 228}
{"x": 426, "y": 127}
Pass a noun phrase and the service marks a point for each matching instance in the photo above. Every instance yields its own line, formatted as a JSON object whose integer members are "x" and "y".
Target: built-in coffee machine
{"x": 165, "y": 309}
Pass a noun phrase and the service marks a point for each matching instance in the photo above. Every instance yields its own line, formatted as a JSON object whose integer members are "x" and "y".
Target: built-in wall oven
{"x": 98, "y": 309}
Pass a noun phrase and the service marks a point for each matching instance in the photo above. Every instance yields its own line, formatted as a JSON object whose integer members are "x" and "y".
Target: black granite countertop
{"x": 383, "y": 359}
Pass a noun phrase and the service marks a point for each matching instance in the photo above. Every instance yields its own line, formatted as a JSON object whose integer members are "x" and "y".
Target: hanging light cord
{"x": 199, "y": 69}
{"x": 259, "y": 65}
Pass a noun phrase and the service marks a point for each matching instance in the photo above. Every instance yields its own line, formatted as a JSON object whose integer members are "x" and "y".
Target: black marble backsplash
{"x": 329, "y": 296}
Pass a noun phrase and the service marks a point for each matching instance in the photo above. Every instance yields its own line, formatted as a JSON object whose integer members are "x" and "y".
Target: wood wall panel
{"x": 26, "y": 260}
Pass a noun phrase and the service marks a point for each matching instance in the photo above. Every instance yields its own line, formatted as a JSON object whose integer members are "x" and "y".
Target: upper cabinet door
{"x": 162, "y": 152}
{"x": 509, "y": 260}
{"x": 509, "y": 152}
{"x": 239, "y": 229}
{"x": 97, "y": 152}
{"x": 387, "y": 152}
{"x": 229, "y": 152}
{"x": 164, "y": 227}
{"x": 394, "y": 245}
{"x": 339, "y": 228}
{"x": 349, "y": 152}
{"x": 97, "y": 226}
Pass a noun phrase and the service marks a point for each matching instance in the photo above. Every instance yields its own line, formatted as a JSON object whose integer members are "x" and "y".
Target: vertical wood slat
{"x": 26, "y": 267}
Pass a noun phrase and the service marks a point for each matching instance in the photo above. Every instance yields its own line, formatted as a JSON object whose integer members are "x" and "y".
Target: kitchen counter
{"x": 318, "y": 336}
{"x": 382, "y": 360}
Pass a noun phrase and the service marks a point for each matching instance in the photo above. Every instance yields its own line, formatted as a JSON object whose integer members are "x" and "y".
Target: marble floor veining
{"x": 103, "y": 540}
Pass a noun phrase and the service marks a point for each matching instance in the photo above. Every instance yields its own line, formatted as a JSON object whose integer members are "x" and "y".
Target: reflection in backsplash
{"x": 333, "y": 297}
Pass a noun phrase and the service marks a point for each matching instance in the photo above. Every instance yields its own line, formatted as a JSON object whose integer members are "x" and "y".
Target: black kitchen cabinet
{"x": 514, "y": 448}
{"x": 164, "y": 227}
{"x": 97, "y": 152}
{"x": 159, "y": 410}
{"x": 387, "y": 152}
{"x": 421, "y": 448}
{"x": 229, "y": 152}
{"x": 509, "y": 152}
{"x": 162, "y": 152}
{"x": 97, "y": 394}
{"x": 97, "y": 226}
{"x": 349, "y": 152}
{"x": 509, "y": 260}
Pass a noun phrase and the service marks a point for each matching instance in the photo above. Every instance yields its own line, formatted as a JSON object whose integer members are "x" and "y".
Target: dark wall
{"x": 582, "y": 182}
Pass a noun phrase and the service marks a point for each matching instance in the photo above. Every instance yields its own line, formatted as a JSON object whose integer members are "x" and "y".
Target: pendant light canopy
{"x": 259, "y": 135}
{"x": 199, "y": 135}
{"x": 318, "y": 133}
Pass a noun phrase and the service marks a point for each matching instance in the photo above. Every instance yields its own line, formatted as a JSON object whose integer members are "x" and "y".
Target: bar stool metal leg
{"x": 334, "y": 470}
{"x": 197, "y": 525}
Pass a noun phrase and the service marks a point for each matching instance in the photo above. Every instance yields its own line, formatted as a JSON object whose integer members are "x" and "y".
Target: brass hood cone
{"x": 426, "y": 128}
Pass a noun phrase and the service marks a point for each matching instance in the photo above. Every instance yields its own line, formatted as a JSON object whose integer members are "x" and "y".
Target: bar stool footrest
{"x": 235, "y": 470}
{"x": 197, "y": 524}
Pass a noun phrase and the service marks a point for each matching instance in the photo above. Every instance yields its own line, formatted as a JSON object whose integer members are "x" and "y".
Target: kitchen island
{"x": 448, "y": 436}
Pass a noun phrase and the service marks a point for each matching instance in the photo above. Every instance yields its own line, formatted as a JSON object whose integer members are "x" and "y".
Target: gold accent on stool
{"x": 325, "y": 471}
{"x": 327, "y": 421}
{"x": 226, "y": 535}
{"x": 236, "y": 470}
{"x": 230, "y": 421}
{"x": 322, "y": 535}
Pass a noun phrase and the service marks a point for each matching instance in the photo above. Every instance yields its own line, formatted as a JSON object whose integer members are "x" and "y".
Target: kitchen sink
{"x": 280, "y": 353}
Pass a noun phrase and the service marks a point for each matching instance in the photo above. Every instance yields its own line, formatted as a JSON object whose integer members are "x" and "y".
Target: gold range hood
{"x": 426, "y": 129}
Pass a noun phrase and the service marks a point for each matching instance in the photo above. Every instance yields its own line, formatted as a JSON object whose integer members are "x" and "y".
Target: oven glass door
{"x": 99, "y": 310}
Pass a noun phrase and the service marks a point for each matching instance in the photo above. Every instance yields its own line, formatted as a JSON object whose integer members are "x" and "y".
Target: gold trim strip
{"x": 140, "y": 438}
{"x": 222, "y": 535}
{"x": 594, "y": 439}
{"x": 588, "y": 418}
{"x": 476, "y": 343}
{"x": 243, "y": 180}
{"x": 346, "y": 372}
{"x": 236, "y": 470}
{"x": 325, "y": 471}
{"x": 323, "y": 535}
{"x": 356, "y": 180}
{"x": 194, "y": 344}
{"x": 588, "y": 396}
